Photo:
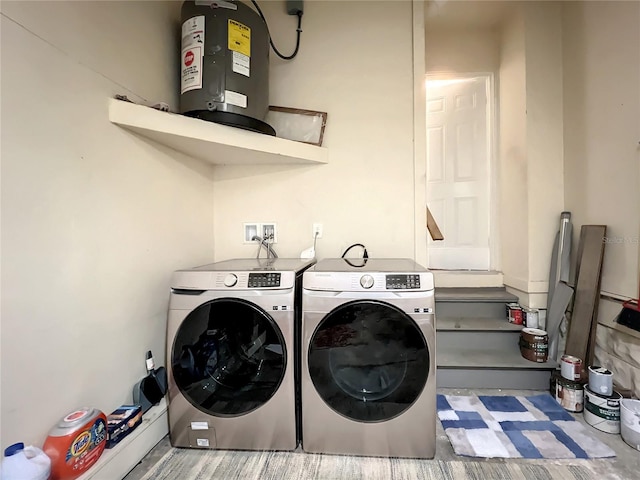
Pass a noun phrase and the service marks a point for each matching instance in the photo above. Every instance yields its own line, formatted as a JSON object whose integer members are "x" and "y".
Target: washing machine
{"x": 368, "y": 358}
{"x": 232, "y": 332}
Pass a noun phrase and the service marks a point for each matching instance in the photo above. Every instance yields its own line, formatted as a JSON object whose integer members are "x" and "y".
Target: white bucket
{"x": 630, "y": 422}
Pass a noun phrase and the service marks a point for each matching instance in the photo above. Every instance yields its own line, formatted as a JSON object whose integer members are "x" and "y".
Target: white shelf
{"x": 212, "y": 142}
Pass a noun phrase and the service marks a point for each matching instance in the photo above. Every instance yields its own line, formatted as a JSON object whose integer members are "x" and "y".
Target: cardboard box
{"x": 121, "y": 422}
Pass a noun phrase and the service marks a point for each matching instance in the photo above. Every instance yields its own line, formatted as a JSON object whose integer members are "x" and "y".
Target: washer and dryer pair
{"x": 338, "y": 356}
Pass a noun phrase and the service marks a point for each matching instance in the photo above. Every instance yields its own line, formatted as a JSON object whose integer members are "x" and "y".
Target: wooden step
{"x": 480, "y": 294}
{"x": 463, "y": 367}
{"x": 494, "y": 378}
{"x": 486, "y": 358}
{"x": 477, "y": 347}
{"x": 485, "y": 302}
{"x": 456, "y": 324}
{"x": 494, "y": 334}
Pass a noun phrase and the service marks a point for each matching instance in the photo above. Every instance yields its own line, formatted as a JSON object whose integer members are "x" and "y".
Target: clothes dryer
{"x": 368, "y": 358}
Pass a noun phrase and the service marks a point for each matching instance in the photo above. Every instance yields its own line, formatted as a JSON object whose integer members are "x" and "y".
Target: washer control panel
{"x": 264, "y": 279}
{"x": 402, "y": 282}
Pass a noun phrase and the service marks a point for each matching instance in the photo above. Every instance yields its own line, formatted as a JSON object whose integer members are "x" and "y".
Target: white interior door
{"x": 458, "y": 174}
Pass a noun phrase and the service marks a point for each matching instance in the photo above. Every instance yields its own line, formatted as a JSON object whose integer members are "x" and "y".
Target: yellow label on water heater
{"x": 239, "y": 38}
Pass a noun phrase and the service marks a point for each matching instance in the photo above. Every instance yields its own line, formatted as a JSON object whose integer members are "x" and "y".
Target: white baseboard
{"x": 116, "y": 462}
{"x": 529, "y": 300}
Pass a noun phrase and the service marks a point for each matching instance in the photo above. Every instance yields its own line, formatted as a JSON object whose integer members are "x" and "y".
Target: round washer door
{"x": 228, "y": 357}
{"x": 368, "y": 360}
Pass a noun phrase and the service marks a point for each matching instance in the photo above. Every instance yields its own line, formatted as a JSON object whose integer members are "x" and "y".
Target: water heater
{"x": 224, "y": 64}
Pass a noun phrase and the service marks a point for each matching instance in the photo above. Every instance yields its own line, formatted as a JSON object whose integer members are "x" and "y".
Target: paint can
{"x": 570, "y": 367}
{"x": 516, "y": 314}
{"x": 531, "y": 318}
{"x": 602, "y": 412}
{"x": 570, "y": 395}
{"x": 600, "y": 381}
{"x": 534, "y": 344}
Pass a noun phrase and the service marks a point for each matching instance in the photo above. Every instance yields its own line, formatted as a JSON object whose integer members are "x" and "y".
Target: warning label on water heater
{"x": 192, "y": 52}
{"x": 193, "y": 32}
{"x": 235, "y": 98}
{"x": 241, "y": 64}
{"x": 191, "y": 71}
{"x": 239, "y": 38}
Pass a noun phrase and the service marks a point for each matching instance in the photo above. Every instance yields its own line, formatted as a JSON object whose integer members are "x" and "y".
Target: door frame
{"x": 420, "y": 148}
{"x": 419, "y": 135}
{"x": 492, "y": 138}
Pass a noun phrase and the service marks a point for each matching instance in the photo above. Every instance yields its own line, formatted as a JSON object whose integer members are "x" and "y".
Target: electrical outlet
{"x": 294, "y": 7}
{"x": 269, "y": 232}
{"x": 317, "y": 230}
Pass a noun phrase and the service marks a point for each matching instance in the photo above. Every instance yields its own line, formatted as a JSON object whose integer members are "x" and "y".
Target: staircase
{"x": 476, "y": 345}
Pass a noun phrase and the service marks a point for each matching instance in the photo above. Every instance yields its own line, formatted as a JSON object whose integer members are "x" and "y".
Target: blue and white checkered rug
{"x": 515, "y": 427}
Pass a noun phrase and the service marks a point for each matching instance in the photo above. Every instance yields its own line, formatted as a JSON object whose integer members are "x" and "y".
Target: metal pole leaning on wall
{"x": 559, "y": 294}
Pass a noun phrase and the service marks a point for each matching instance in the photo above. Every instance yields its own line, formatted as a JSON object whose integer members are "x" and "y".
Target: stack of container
{"x": 569, "y": 388}
{"x": 602, "y": 403}
{"x": 519, "y": 315}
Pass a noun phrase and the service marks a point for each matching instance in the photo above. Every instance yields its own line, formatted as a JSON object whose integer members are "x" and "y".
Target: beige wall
{"x": 531, "y": 146}
{"x": 601, "y": 48}
{"x": 94, "y": 219}
{"x": 462, "y": 50}
{"x": 355, "y": 63}
{"x": 514, "y": 201}
{"x": 545, "y": 181}
{"x": 602, "y": 129}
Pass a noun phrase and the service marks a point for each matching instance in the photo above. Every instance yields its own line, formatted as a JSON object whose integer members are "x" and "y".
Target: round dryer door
{"x": 228, "y": 357}
{"x": 368, "y": 360}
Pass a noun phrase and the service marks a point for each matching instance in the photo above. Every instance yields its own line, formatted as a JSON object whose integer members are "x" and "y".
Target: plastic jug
{"x": 76, "y": 442}
{"x": 25, "y": 463}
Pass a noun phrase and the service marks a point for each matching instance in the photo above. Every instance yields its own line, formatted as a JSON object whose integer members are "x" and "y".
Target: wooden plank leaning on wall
{"x": 581, "y": 338}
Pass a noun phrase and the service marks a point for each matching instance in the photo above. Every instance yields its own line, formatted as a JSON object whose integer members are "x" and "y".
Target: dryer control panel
{"x": 264, "y": 279}
{"x": 402, "y": 282}
{"x": 396, "y": 282}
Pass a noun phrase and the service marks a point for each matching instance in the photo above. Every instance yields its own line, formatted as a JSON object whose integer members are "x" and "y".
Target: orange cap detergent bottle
{"x": 76, "y": 443}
